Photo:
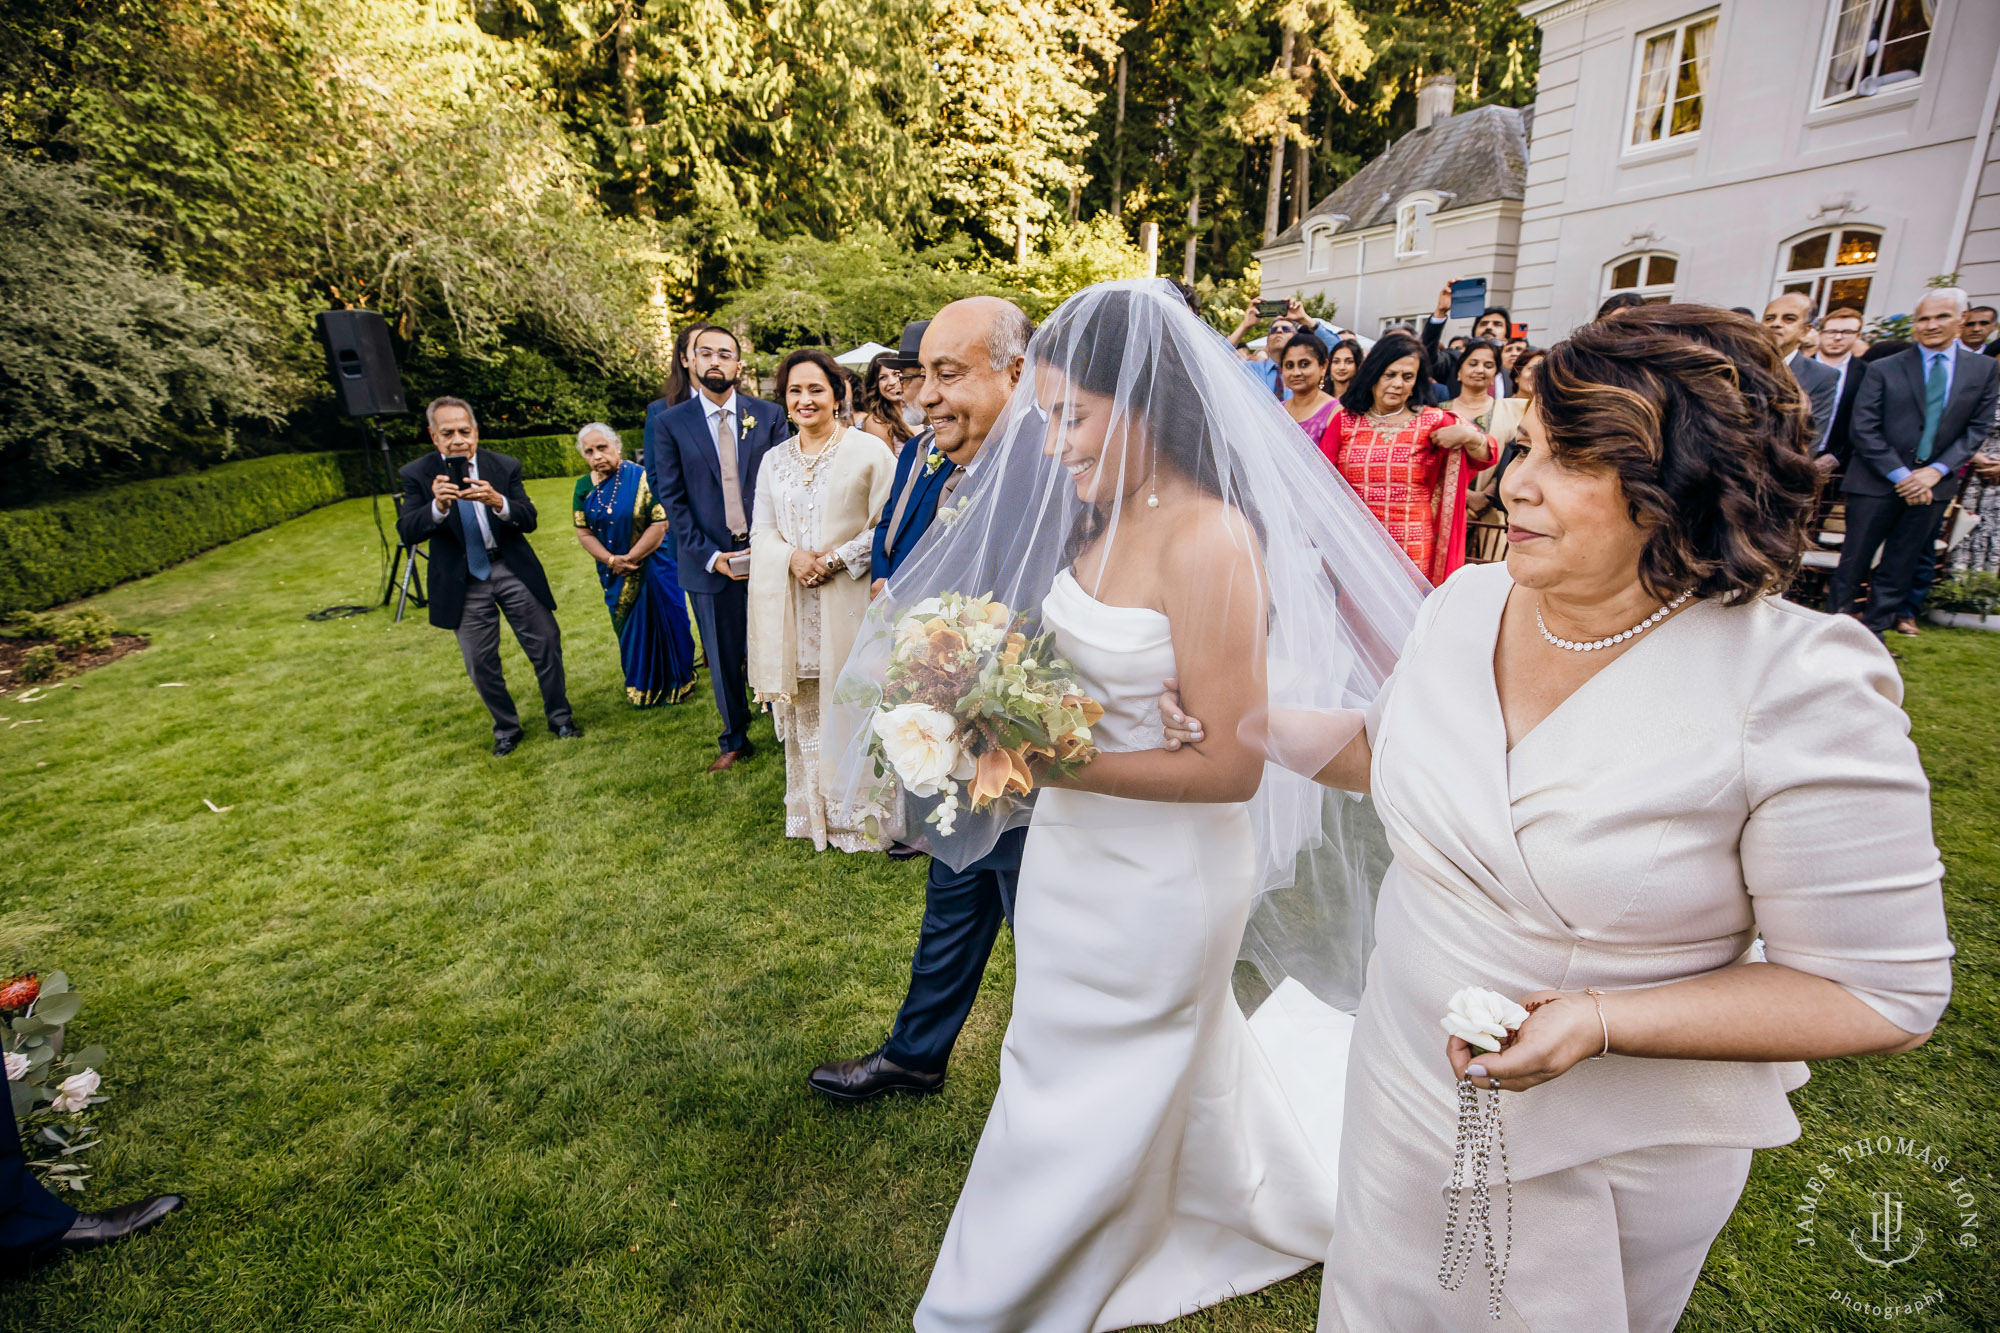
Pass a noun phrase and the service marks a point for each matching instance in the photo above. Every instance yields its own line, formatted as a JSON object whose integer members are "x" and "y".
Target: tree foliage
{"x": 526, "y": 187}
{"x": 102, "y": 355}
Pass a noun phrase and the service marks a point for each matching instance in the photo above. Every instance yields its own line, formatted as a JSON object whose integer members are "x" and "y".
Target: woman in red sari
{"x": 1410, "y": 462}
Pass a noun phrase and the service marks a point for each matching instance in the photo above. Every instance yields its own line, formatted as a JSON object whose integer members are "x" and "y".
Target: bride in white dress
{"x": 1151, "y": 1151}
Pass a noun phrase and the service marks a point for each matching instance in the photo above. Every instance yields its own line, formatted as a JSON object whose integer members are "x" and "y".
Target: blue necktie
{"x": 1934, "y": 387}
{"x": 476, "y": 562}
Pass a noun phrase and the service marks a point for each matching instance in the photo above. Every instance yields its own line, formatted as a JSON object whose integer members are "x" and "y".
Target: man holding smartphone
{"x": 470, "y": 506}
{"x": 1287, "y": 317}
{"x": 1456, "y": 300}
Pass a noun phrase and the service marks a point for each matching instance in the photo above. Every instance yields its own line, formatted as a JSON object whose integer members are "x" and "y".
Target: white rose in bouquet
{"x": 17, "y": 1065}
{"x": 75, "y": 1092}
{"x": 921, "y": 744}
{"x": 1482, "y": 1018}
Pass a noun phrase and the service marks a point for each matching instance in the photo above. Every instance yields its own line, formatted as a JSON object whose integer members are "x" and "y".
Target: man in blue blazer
{"x": 702, "y": 458}
{"x": 1918, "y": 417}
{"x": 971, "y": 358}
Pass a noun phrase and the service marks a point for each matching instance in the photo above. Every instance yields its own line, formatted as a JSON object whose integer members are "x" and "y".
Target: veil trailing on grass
{"x": 1127, "y": 396}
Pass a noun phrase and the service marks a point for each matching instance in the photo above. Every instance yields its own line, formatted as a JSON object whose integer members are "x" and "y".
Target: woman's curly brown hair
{"x": 1707, "y": 432}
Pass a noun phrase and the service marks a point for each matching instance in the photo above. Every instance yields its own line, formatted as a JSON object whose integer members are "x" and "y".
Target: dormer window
{"x": 1413, "y": 225}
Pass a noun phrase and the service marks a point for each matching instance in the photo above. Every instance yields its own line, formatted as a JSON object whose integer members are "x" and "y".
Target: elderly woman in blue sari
{"x": 622, "y": 526}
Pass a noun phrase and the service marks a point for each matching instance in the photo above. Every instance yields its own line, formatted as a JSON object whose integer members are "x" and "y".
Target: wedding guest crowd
{"x": 1918, "y": 416}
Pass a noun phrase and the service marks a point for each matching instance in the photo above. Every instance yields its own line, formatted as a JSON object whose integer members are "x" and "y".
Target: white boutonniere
{"x": 749, "y": 422}
{"x": 933, "y": 460}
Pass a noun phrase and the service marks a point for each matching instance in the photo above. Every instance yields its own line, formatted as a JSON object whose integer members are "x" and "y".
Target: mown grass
{"x": 438, "y": 1042}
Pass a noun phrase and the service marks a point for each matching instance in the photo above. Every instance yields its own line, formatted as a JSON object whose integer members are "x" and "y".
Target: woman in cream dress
{"x": 1603, "y": 832}
{"x": 812, "y": 524}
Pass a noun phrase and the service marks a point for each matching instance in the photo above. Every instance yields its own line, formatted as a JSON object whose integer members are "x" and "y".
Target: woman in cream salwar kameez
{"x": 810, "y": 531}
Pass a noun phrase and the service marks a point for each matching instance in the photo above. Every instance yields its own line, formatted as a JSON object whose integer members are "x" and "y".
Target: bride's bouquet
{"x": 969, "y": 700}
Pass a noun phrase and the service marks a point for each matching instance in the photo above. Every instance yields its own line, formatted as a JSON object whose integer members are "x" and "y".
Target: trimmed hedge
{"x": 59, "y": 552}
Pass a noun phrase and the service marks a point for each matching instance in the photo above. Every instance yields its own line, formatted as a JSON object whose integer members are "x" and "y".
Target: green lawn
{"x": 439, "y": 1042}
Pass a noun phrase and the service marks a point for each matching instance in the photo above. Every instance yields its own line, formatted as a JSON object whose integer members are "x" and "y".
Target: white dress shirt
{"x": 723, "y": 415}
{"x": 479, "y": 510}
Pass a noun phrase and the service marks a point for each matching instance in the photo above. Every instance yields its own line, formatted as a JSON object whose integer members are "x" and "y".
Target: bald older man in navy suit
{"x": 970, "y": 359}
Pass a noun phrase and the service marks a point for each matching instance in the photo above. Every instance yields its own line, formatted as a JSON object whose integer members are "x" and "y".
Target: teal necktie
{"x": 1934, "y": 387}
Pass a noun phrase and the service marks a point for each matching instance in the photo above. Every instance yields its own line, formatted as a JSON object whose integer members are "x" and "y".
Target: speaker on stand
{"x": 361, "y": 364}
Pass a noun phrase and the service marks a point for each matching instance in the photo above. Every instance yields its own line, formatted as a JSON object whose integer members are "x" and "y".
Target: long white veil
{"x": 1338, "y": 599}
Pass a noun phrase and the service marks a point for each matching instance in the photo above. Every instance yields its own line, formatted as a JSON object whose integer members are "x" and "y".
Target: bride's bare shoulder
{"x": 1218, "y": 537}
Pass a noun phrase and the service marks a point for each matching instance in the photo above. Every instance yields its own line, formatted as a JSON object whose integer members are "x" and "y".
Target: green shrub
{"x": 84, "y": 629}
{"x": 39, "y": 663}
{"x": 1968, "y": 594}
{"x": 60, "y": 552}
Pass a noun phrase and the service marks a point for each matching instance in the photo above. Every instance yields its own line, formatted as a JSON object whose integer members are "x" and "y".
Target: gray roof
{"x": 1474, "y": 157}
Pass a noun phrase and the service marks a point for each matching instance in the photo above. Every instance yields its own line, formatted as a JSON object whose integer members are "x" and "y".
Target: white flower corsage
{"x": 952, "y": 513}
{"x": 1483, "y": 1019}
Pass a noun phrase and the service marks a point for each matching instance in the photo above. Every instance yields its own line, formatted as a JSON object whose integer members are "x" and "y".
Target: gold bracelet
{"x": 1595, "y": 998}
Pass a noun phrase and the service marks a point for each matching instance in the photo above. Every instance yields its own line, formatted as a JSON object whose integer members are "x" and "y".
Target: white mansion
{"x": 1719, "y": 152}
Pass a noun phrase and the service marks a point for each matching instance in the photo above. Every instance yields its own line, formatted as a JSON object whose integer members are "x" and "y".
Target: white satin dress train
{"x": 1150, "y": 1150}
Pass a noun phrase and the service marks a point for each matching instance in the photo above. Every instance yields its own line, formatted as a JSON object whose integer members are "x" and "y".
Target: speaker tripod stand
{"x": 404, "y": 560}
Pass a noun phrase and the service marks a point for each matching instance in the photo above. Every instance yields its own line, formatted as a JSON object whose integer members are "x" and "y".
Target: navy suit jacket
{"x": 417, "y": 521}
{"x": 891, "y": 549}
{"x": 1889, "y": 419}
{"x": 681, "y": 464}
{"x": 1840, "y": 440}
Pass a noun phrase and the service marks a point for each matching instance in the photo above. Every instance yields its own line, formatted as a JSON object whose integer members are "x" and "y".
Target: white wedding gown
{"x": 1150, "y": 1151}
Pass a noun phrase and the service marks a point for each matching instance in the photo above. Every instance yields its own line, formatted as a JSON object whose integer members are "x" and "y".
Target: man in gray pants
{"x": 470, "y": 505}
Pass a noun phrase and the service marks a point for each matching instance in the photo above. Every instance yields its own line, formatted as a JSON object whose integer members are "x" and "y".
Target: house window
{"x": 1318, "y": 245}
{"x": 1670, "y": 80}
{"x": 1875, "y": 45}
{"x": 1413, "y": 227}
{"x": 1649, "y": 277}
{"x": 1835, "y": 267}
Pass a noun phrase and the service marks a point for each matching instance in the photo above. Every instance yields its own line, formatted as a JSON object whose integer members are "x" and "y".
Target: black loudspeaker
{"x": 361, "y": 363}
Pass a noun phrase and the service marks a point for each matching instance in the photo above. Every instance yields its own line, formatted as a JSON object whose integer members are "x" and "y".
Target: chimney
{"x": 1435, "y": 95}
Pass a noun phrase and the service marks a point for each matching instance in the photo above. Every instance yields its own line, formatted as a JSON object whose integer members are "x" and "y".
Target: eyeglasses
{"x": 912, "y": 378}
{"x": 714, "y": 354}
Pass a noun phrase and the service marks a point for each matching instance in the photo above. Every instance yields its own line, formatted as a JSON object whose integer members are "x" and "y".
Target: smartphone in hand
{"x": 1272, "y": 309}
{"x": 456, "y": 468}
{"x": 1468, "y": 298}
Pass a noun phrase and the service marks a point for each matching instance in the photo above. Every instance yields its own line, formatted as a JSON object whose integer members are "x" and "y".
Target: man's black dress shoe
{"x": 568, "y": 731}
{"x": 93, "y": 1229}
{"x": 505, "y": 746}
{"x": 900, "y": 852}
{"x": 870, "y": 1076}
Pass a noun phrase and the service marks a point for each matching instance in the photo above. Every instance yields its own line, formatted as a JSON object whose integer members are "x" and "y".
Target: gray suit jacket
{"x": 1889, "y": 419}
{"x": 1822, "y": 388}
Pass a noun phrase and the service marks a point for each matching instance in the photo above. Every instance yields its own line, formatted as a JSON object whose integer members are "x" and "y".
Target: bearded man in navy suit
{"x": 970, "y": 360}
{"x": 702, "y": 457}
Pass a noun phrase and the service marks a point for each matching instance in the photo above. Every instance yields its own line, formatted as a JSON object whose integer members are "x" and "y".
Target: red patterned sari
{"x": 1414, "y": 487}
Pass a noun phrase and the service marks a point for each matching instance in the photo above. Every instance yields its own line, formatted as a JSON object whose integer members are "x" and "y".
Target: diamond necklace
{"x": 1591, "y": 647}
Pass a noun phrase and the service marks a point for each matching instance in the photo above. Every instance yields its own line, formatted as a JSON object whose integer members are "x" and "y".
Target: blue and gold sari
{"x": 648, "y": 611}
